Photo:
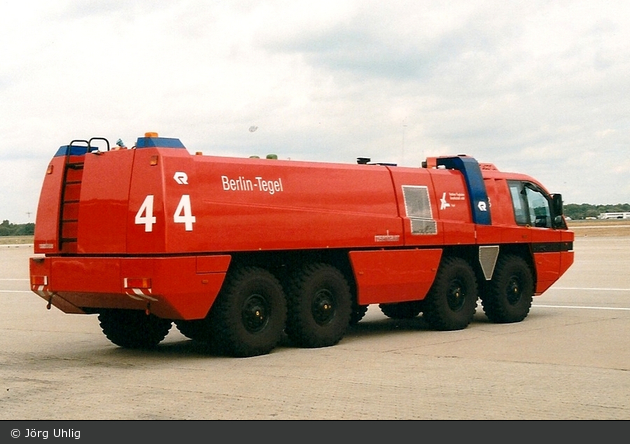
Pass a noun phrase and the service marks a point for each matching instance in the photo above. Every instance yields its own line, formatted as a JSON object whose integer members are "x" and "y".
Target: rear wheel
{"x": 320, "y": 306}
{"x": 249, "y": 315}
{"x": 133, "y": 328}
{"x": 197, "y": 330}
{"x": 402, "y": 310}
{"x": 452, "y": 300}
{"x": 510, "y": 292}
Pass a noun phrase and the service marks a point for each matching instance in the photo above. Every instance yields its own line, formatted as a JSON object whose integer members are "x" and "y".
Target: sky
{"x": 535, "y": 87}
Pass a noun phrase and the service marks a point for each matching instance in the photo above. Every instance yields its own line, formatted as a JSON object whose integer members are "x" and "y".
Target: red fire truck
{"x": 242, "y": 252}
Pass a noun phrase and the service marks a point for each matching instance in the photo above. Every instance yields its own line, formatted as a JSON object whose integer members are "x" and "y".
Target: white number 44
{"x": 183, "y": 214}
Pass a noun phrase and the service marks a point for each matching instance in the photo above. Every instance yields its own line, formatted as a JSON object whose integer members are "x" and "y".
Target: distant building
{"x": 619, "y": 215}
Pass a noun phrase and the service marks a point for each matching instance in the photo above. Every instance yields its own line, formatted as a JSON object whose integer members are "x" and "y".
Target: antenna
{"x": 403, "y": 144}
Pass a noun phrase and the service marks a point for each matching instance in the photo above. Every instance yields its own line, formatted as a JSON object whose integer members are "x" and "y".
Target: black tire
{"x": 319, "y": 306}
{"x": 452, "y": 300}
{"x": 401, "y": 310}
{"x": 511, "y": 290}
{"x": 249, "y": 315}
{"x": 358, "y": 312}
{"x": 197, "y": 330}
{"x": 133, "y": 328}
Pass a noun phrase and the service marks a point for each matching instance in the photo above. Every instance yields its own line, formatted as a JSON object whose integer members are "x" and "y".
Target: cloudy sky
{"x": 539, "y": 87}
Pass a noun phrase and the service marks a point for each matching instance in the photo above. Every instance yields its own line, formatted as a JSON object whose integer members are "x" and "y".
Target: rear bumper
{"x": 173, "y": 287}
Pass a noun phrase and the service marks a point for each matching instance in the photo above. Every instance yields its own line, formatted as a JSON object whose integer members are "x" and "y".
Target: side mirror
{"x": 556, "y": 202}
{"x": 557, "y": 209}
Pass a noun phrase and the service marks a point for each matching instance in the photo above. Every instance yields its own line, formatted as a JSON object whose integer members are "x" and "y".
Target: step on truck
{"x": 243, "y": 253}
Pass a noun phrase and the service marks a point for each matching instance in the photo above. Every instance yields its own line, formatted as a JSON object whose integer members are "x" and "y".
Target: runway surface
{"x": 568, "y": 360}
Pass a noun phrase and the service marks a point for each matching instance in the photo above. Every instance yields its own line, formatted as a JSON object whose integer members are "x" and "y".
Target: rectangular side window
{"x": 518, "y": 202}
{"x": 418, "y": 208}
{"x": 539, "y": 212}
{"x": 531, "y": 204}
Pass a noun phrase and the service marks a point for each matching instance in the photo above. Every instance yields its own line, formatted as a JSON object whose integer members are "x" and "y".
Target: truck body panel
{"x": 175, "y": 287}
{"x": 390, "y": 276}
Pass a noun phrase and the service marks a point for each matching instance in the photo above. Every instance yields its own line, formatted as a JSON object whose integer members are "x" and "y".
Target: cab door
{"x": 533, "y": 209}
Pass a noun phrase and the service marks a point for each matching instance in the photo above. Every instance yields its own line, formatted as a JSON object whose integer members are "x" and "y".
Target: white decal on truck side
{"x": 145, "y": 216}
{"x": 258, "y": 183}
{"x": 181, "y": 178}
{"x": 183, "y": 214}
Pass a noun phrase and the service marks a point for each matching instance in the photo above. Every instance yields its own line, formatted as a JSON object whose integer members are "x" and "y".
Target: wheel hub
{"x": 514, "y": 291}
{"x": 255, "y": 313}
{"x": 323, "y": 308}
{"x": 456, "y": 296}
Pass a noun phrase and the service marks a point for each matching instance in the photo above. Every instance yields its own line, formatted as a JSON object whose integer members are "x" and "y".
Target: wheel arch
{"x": 471, "y": 254}
{"x": 285, "y": 263}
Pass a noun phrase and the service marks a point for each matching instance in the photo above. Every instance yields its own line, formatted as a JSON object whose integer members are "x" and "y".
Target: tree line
{"x": 9, "y": 229}
{"x": 583, "y": 211}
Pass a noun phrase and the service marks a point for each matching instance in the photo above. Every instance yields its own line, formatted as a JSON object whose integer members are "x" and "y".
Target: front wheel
{"x": 510, "y": 292}
{"x": 133, "y": 328}
{"x": 452, "y": 300}
{"x": 249, "y": 315}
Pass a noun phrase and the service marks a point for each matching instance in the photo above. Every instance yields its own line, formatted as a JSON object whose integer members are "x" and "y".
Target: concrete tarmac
{"x": 568, "y": 360}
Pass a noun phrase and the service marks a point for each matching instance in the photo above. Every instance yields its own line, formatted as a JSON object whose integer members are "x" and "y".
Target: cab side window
{"x": 539, "y": 214}
{"x": 531, "y": 205}
{"x": 519, "y": 203}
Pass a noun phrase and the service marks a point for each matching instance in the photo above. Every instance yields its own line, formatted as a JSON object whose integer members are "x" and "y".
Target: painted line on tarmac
{"x": 582, "y": 307}
{"x": 590, "y": 289}
{"x": 601, "y": 226}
